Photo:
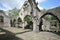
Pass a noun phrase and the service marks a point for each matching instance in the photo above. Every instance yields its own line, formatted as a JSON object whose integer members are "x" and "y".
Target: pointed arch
{"x": 19, "y": 19}
{"x": 50, "y": 14}
{"x": 27, "y": 18}
{"x": 47, "y": 13}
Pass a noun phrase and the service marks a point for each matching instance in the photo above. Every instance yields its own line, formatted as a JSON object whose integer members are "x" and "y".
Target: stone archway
{"x": 28, "y": 19}
{"x": 19, "y": 22}
{"x": 19, "y": 19}
{"x": 1, "y": 21}
{"x": 41, "y": 21}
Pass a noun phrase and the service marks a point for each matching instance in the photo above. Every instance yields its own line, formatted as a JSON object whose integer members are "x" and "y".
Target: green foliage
{"x": 14, "y": 12}
{"x": 27, "y": 19}
{"x": 53, "y": 23}
{"x": 49, "y": 17}
{"x": 19, "y": 19}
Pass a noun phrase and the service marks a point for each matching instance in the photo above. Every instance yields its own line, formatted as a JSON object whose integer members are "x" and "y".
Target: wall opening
{"x": 1, "y": 21}
{"x": 48, "y": 19}
{"x": 29, "y": 22}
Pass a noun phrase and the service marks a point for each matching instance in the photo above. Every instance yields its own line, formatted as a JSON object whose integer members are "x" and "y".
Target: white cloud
{"x": 4, "y": 7}
{"x": 40, "y": 1}
{"x": 40, "y": 7}
{"x": 53, "y": 7}
{"x": 9, "y": 4}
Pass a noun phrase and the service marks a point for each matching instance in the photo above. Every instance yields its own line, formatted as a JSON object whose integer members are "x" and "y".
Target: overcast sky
{"x": 9, "y": 4}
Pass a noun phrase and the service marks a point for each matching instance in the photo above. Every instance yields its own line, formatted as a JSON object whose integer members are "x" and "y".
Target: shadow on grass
{"x": 8, "y": 35}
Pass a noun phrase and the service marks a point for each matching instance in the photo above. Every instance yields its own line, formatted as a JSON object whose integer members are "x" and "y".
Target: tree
{"x": 14, "y": 12}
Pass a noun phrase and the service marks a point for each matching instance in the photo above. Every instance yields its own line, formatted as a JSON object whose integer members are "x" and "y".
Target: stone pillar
{"x": 57, "y": 29}
{"x": 35, "y": 26}
{"x": 16, "y": 23}
{"x": 23, "y": 25}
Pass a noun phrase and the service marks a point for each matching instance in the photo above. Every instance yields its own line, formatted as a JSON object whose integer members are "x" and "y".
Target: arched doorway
{"x": 19, "y": 20}
{"x": 1, "y": 21}
{"x": 49, "y": 19}
{"x": 28, "y": 19}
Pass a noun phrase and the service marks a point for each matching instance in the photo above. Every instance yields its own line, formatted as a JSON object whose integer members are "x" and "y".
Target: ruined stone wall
{"x": 6, "y": 20}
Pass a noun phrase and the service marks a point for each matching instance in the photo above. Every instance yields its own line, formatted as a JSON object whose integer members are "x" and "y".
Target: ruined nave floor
{"x": 13, "y": 33}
